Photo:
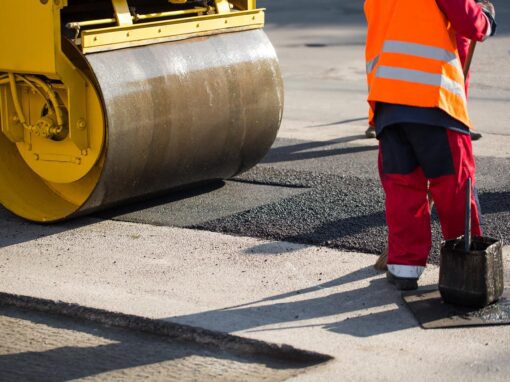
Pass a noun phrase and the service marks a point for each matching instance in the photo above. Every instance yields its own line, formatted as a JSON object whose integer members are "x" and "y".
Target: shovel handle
{"x": 469, "y": 57}
{"x": 467, "y": 222}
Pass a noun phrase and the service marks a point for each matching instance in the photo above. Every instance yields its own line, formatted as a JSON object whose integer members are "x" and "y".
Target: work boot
{"x": 402, "y": 283}
{"x": 475, "y": 136}
{"x": 370, "y": 132}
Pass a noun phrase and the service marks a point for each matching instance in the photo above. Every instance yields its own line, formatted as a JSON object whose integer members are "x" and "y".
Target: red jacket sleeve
{"x": 463, "y": 44}
{"x": 467, "y": 18}
{"x": 468, "y": 21}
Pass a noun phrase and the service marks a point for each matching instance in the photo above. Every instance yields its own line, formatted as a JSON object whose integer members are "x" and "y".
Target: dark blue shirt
{"x": 387, "y": 114}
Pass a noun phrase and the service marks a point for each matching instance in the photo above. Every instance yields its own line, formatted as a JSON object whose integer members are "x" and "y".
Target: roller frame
{"x": 255, "y": 73}
{"x": 118, "y": 37}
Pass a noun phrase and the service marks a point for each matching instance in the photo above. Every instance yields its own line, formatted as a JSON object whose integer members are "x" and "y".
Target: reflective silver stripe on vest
{"x": 371, "y": 64}
{"x": 424, "y": 51}
{"x": 419, "y": 77}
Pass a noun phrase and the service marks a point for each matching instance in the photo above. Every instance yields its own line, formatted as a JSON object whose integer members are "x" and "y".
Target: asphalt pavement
{"x": 284, "y": 252}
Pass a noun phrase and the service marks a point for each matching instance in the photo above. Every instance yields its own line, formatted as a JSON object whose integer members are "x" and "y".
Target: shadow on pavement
{"x": 360, "y": 274}
{"x": 72, "y": 362}
{"x": 102, "y": 349}
{"x": 158, "y": 200}
{"x": 373, "y": 324}
{"x": 301, "y": 151}
{"x": 253, "y": 317}
{"x": 345, "y": 121}
{"x": 16, "y": 230}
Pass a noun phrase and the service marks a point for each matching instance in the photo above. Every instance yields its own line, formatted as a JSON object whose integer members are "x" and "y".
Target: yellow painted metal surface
{"x": 27, "y": 37}
{"x": 143, "y": 34}
{"x": 245, "y": 5}
{"x": 122, "y": 13}
{"x": 30, "y": 42}
{"x": 53, "y": 132}
{"x": 43, "y": 93}
{"x": 222, "y": 6}
{"x": 182, "y": 12}
{"x": 62, "y": 161}
{"x": 13, "y": 131}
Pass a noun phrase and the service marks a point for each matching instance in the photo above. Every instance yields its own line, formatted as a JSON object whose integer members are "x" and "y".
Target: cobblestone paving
{"x": 40, "y": 347}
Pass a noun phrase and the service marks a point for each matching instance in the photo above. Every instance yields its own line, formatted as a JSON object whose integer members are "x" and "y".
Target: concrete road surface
{"x": 284, "y": 253}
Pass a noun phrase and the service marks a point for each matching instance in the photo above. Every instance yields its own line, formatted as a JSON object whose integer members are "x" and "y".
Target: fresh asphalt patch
{"x": 199, "y": 205}
{"x": 320, "y": 193}
{"x": 341, "y": 212}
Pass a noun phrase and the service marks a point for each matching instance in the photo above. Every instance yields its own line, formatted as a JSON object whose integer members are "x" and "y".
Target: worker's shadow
{"x": 385, "y": 311}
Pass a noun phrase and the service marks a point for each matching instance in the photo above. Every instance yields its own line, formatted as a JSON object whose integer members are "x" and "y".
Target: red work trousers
{"x": 413, "y": 159}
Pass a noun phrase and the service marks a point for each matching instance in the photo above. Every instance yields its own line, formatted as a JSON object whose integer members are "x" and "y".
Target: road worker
{"x": 418, "y": 107}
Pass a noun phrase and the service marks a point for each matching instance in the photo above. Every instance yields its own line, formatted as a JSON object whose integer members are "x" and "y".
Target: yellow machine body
{"x": 107, "y": 101}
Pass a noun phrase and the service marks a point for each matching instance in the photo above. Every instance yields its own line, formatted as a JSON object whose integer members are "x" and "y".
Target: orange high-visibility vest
{"x": 412, "y": 57}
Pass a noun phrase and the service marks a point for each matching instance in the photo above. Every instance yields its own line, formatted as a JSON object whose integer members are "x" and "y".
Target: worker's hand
{"x": 489, "y": 10}
{"x": 487, "y": 7}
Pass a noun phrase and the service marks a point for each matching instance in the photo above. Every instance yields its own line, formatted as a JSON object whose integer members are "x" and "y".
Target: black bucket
{"x": 473, "y": 278}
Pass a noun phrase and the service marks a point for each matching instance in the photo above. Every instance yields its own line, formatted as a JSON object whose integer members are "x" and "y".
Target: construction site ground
{"x": 281, "y": 254}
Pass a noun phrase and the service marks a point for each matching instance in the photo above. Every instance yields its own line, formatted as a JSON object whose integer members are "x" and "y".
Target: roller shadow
{"x": 172, "y": 196}
{"x": 16, "y": 230}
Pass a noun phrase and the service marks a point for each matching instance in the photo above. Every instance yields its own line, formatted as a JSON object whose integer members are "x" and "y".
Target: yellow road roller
{"x": 106, "y": 101}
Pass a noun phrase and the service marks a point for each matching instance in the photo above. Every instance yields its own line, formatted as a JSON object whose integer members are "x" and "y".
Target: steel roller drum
{"x": 176, "y": 114}
{"x": 183, "y": 112}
